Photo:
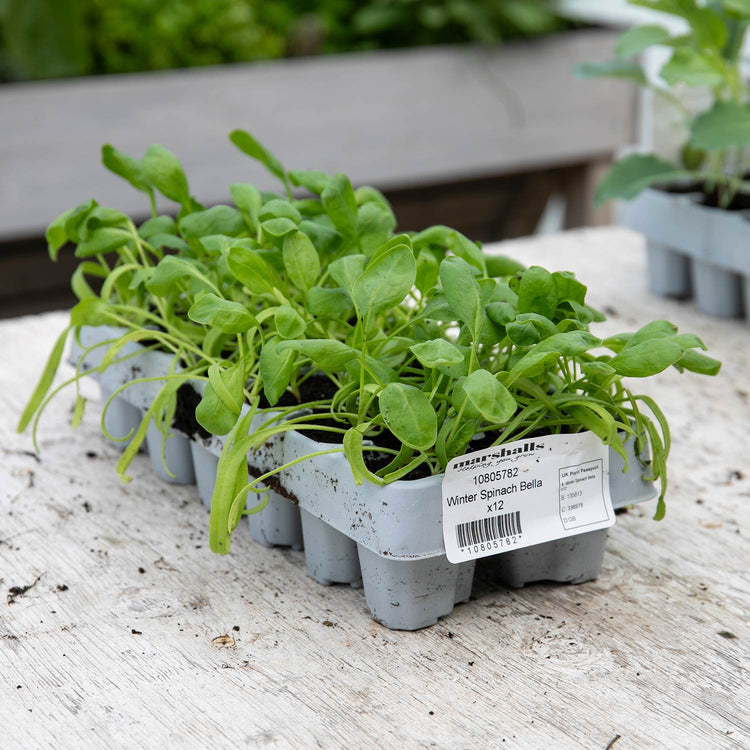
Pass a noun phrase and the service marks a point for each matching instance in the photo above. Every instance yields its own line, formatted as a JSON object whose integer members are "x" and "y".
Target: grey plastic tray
{"x": 694, "y": 250}
{"x": 387, "y": 539}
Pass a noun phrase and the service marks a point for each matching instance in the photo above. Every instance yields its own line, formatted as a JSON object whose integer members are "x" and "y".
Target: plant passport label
{"x": 527, "y": 492}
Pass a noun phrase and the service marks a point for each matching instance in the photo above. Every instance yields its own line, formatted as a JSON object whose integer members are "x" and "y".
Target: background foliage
{"x": 57, "y": 38}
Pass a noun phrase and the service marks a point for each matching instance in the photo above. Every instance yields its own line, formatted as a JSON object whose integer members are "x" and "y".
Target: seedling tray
{"x": 387, "y": 539}
{"x": 694, "y": 250}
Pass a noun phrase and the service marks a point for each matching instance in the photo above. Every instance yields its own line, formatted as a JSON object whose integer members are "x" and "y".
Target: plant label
{"x": 523, "y": 493}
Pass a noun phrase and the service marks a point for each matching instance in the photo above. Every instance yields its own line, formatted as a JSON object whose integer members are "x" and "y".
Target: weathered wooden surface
{"x": 395, "y": 119}
{"x": 128, "y": 639}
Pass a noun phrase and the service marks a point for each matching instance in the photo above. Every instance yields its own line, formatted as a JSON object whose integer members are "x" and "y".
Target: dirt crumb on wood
{"x": 15, "y": 592}
{"x": 162, "y": 564}
{"x": 727, "y": 634}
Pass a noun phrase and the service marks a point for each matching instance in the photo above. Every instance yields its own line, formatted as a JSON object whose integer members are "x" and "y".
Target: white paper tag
{"x": 526, "y": 492}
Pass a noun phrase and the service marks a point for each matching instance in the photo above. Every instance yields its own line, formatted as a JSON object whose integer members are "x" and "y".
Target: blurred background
{"x": 464, "y": 112}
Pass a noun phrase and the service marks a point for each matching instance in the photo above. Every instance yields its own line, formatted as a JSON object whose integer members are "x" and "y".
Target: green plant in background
{"x": 707, "y": 55}
{"x": 406, "y": 23}
{"x": 54, "y": 38}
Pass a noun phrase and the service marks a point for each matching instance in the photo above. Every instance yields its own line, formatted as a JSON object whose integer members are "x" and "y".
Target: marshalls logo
{"x": 501, "y": 452}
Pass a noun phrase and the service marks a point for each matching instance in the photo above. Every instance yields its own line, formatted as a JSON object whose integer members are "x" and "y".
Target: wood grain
{"x": 135, "y": 635}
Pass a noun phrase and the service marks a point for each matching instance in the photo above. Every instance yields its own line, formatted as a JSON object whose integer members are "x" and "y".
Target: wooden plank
{"x": 100, "y": 653}
{"x": 393, "y": 119}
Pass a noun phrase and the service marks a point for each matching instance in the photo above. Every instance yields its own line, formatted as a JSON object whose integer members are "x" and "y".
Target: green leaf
{"x": 56, "y": 235}
{"x": 725, "y": 125}
{"x": 531, "y": 364}
{"x": 289, "y": 323}
{"x": 310, "y": 208}
{"x": 391, "y": 350}
{"x": 278, "y": 208}
{"x": 633, "y": 174}
{"x": 276, "y": 369}
{"x": 229, "y": 317}
{"x": 125, "y": 166}
{"x": 544, "y": 326}
{"x": 300, "y": 260}
{"x": 570, "y": 343}
{"x": 78, "y": 282}
{"x": 537, "y": 292}
{"x": 437, "y": 353}
{"x": 647, "y": 358}
{"x": 323, "y": 302}
{"x": 462, "y": 291}
{"x": 700, "y": 363}
{"x": 248, "y": 199}
{"x": 310, "y": 179}
{"x": 162, "y": 239}
{"x": 368, "y": 194}
{"x": 251, "y": 270}
{"x": 328, "y": 354}
{"x": 636, "y": 40}
{"x": 454, "y": 241}
{"x": 164, "y": 171}
{"x": 340, "y": 204}
{"x": 427, "y": 272}
{"x": 215, "y": 220}
{"x": 375, "y": 371}
{"x": 101, "y": 216}
{"x": 616, "y": 68}
{"x": 248, "y": 145}
{"x": 91, "y": 311}
{"x": 325, "y": 238}
{"x": 45, "y": 381}
{"x": 385, "y": 282}
{"x": 103, "y": 240}
{"x": 568, "y": 287}
{"x": 655, "y": 329}
{"x": 409, "y": 415}
{"x": 501, "y": 313}
{"x": 691, "y": 68}
{"x": 689, "y": 341}
{"x": 222, "y": 399}
{"x": 75, "y": 220}
{"x": 353, "y": 450}
{"x": 375, "y": 224}
{"x": 172, "y": 269}
{"x": 157, "y": 225}
{"x": 219, "y": 244}
{"x": 501, "y": 265}
{"x": 598, "y": 369}
{"x": 481, "y": 394}
{"x": 346, "y": 270}
{"x": 523, "y": 333}
{"x": 78, "y": 409}
{"x": 277, "y": 229}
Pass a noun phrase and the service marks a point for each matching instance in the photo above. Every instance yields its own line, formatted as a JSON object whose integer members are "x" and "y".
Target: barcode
{"x": 487, "y": 529}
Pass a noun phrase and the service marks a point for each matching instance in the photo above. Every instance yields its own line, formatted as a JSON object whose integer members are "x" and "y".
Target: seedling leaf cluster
{"x": 306, "y": 310}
